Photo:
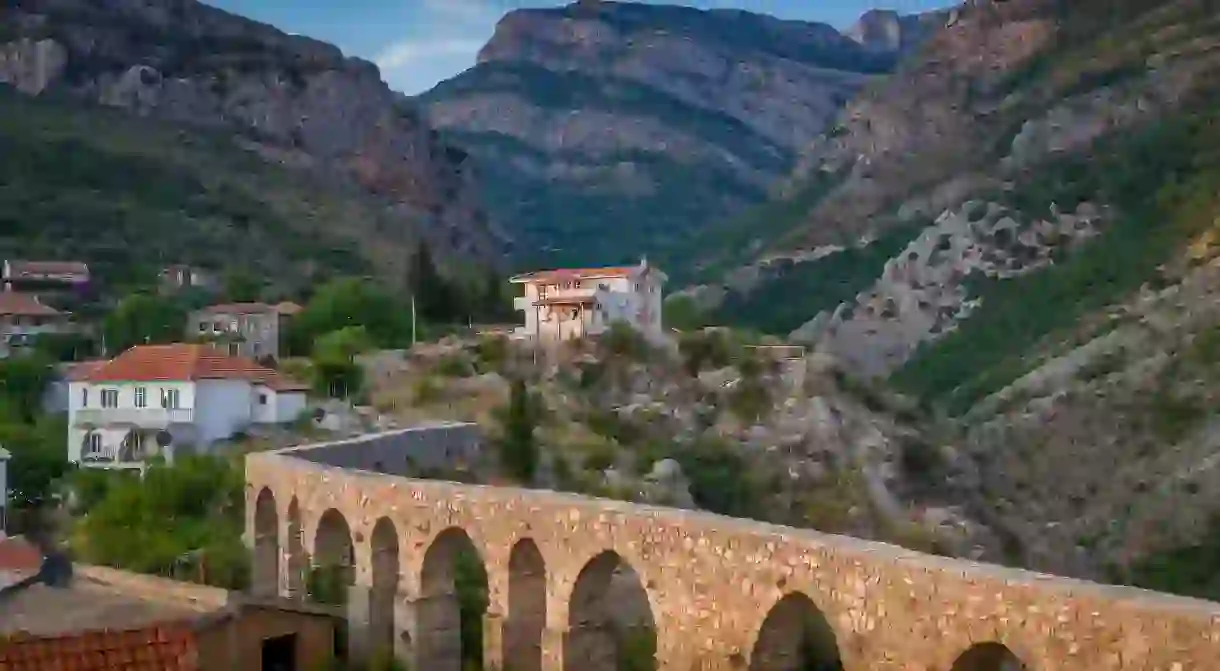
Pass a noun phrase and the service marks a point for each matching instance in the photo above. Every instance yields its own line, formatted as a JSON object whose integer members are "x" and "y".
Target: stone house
{"x": 253, "y": 330}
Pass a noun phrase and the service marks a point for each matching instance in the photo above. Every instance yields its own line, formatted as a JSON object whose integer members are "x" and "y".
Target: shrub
{"x": 454, "y": 365}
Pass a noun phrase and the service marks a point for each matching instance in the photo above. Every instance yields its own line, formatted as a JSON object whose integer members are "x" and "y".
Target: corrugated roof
{"x": 159, "y": 648}
{"x": 25, "y": 305}
{"x": 181, "y": 362}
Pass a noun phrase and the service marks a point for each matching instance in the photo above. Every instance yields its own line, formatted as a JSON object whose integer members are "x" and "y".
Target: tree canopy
{"x": 143, "y": 318}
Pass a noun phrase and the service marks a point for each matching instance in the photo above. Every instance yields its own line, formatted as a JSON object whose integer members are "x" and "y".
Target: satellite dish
{"x": 164, "y": 438}
{"x": 318, "y": 414}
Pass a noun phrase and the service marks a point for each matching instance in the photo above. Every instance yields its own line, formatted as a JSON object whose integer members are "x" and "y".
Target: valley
{"x": 944, "y": 280}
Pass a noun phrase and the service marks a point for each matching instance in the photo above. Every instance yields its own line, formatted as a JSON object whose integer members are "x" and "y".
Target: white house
{"x": 564, "y": 304}
{"x": 120, "y": 412}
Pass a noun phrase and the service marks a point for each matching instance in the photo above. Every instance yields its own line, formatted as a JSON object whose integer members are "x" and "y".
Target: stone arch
{"x": 264, "y": 578}
{"x": 384, "y": 546}
{"x": 526, "y": 608}
{"x": 451, "y": 604}
{"x": 296, "y": 563}
{"x": 989, "y": 657}
{"x": 610, "y": 620}
{"x": 795, "y": 636}
{"x": 334, "y": 559}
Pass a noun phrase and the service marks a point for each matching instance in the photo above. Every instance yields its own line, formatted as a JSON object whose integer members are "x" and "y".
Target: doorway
{"x": 280, "y": 653}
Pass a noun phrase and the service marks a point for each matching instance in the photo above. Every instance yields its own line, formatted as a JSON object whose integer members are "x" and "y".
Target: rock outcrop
{"x": 649, "y": 121}
{"x": 185, "y": 62}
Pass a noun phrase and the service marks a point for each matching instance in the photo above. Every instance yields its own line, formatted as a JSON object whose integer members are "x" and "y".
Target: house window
{"x": 542, "y": 288}
{"x": 169, "y": 398}
{"x": 262, "y": 399}
{"x": 110, "y": 398}
{"x": 141, "y": 397}
{"x": 217, "y": 327}
{"x": 232, "y": 349}
{"x": 203, "y": 327}
{"x": 95, "y": 442}
{"x": 84, "y": 397}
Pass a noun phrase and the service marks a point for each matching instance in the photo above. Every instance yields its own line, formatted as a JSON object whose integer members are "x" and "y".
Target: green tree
{"x": 336, "y": 372}
{"x": 183, "y": 520}
{"x": 23, "y": 380}
{"x": 143, "y": 318}
{"x": 435, "y": 299}
{"x": 518, "y": 446}
{"x": 39, "y": 457}
{"x": 349, "y": 302}
{"x": 242, "y": 286}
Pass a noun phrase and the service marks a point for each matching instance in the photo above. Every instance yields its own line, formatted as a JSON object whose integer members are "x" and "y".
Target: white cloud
{"x": 414, "y": 51}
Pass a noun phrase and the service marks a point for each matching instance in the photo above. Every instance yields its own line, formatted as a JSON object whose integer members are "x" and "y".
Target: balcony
{"x": 145, "y": 418}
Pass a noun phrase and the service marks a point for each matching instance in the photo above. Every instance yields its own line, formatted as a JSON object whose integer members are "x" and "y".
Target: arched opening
{"x": 795, "y": 636}
{"x": 610, "y": 622}
{"x": 453, "y": 600}
{"x": 385, "y": 587}
{"x": 988, "y": 657}
{"x": 295, "y": 585}
{"x": 334, "y": 562}
{"x": 265, "y": 579}
{"x": 526, "y": 608}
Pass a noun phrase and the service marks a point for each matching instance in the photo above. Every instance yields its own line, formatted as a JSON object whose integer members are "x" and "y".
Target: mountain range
{"x": 607, "y": 130}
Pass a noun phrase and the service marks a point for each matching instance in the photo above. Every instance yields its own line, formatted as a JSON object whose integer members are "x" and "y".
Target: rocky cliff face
{"x": 621, "y": 128}
{"x": 297, "y": 101}
{"x": 1021, "y": 227}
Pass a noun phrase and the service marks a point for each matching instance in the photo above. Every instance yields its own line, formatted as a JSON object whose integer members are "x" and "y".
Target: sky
{"x": 418, "y": 43}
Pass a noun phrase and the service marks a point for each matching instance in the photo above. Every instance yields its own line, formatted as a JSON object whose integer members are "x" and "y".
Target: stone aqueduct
{"x": 723, "y": 594}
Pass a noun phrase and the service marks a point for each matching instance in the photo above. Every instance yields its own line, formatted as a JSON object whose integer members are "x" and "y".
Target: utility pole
{"x": 412, "y": 320}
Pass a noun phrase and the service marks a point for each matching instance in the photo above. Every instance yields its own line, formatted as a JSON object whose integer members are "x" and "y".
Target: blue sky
{"x": 418, "y": 43}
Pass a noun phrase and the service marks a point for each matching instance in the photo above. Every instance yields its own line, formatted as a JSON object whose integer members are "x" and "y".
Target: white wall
{"x": 127, "y": 394}
{"x": 288, "y": 406}
{"x": 223, "y": 407}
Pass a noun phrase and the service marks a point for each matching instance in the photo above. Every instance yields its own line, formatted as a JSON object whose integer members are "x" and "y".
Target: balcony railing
{"x": 123, "y": 456}
{"x": 148, "y": 418}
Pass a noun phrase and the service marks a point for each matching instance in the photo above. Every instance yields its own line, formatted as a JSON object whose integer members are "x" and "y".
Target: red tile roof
{"x": 288, "y": 308}
{"x": 77, "y": 372}
{"x": 25, "y": 305}
{"x": 160, "y": 648}
{"x": 18, "y": 554}
{"x": 19, "y": 268}
{"x": 239, "y": 308}
{"x": 163, "y": 363}
{"x": 570, "y": 274}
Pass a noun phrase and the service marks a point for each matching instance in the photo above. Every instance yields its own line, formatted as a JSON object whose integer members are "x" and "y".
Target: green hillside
{"x": 130, "y": 195}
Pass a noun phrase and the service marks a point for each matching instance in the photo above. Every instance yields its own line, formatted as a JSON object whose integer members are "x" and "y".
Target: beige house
{"x": 565, "y": 304}
{"x": 243, "y": 329}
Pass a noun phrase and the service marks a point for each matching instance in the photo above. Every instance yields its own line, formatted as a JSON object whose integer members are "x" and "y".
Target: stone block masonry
{"x": 723, "y": 594}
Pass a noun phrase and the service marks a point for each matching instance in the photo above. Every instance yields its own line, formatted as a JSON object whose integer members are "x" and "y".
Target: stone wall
{"x": 401, "y": 452}
{"x": 724, "y": 593}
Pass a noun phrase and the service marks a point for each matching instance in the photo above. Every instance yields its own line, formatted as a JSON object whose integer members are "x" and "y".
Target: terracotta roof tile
{"x": 160, "y": 648}
{"x": 570, "y": 274}
{"x": 78, "y": 371}
{"x": 164, "y": 363}
{"x": 16, "y": 303}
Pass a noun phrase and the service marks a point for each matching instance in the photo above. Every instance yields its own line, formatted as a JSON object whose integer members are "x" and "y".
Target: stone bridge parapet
{"x": 720, "y": 593}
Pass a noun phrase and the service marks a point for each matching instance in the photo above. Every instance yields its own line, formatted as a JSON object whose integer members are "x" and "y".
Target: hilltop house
{"x": 154, "y": 399}
{"x": 565, "y": 304}
{"x": 180, "y": 276}
{"x": 243, "y": 329}
{"x": 45, "y": 277}
{"x": 23, "y": 317}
